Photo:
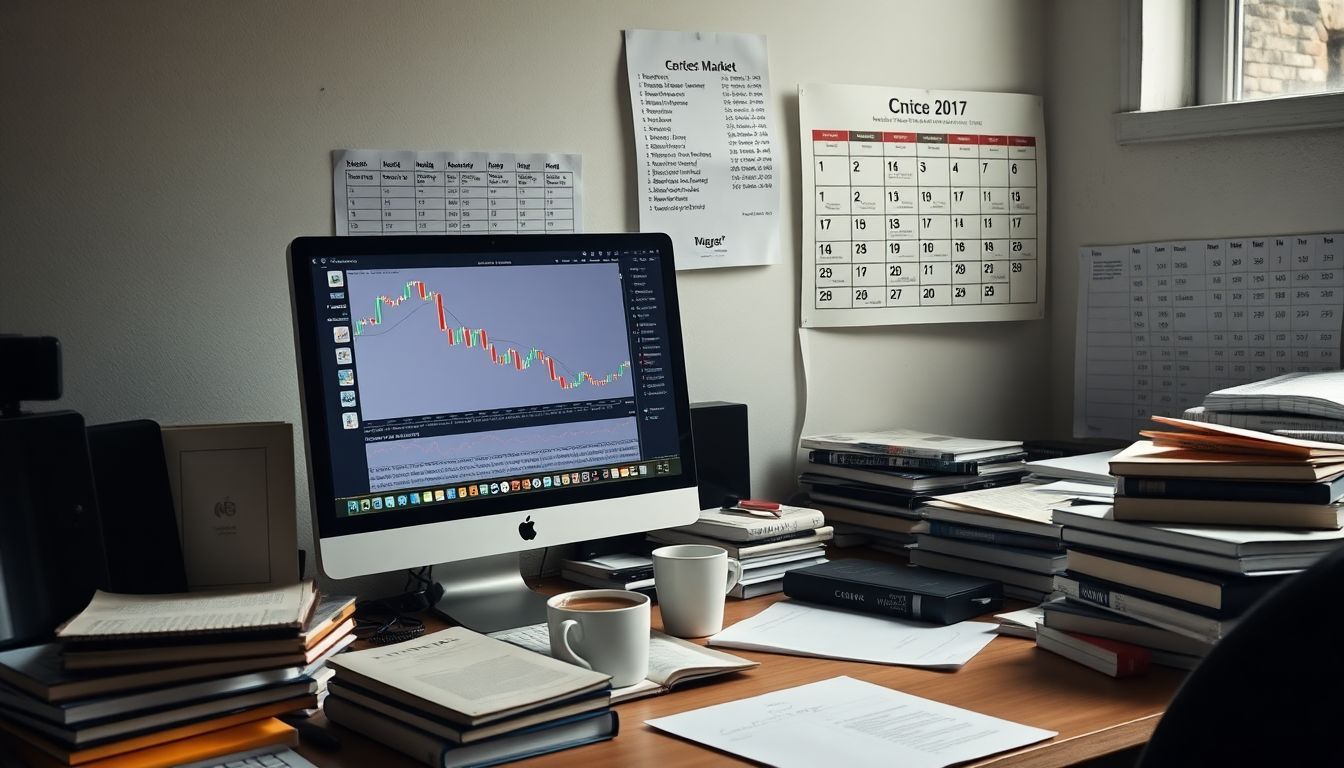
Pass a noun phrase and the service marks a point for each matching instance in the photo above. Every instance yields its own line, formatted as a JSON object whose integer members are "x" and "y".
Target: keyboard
{"x": 265, "y": 757}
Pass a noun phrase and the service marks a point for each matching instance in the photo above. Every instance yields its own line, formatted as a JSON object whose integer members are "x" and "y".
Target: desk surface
{"x": 1094, "y": 714}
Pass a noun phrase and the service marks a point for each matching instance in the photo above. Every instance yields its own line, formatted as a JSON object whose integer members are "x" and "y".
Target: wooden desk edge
{"x": 1084, "y": 746}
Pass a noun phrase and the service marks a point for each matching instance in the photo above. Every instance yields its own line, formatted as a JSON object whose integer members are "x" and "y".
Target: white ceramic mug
{"x": 606, "y": 630}
{"x": 691, "y": 580}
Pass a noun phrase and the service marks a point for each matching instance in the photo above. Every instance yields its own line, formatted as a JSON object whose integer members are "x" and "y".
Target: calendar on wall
{"x": 1161, "y": 325}
{"x": 921, "y": 206}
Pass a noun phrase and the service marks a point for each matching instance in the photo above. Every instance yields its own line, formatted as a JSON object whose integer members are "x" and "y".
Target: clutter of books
{"x": 171, "y": 678}
{"x": 768, "y": 539}
{"x": 1148, "y": 554}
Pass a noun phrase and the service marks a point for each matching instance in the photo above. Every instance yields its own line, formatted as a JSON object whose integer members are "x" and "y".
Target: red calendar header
{"x": 928, "y": 138}
{"x": 994, "y": 141}
{"x": 830, "y": 135}
{"x": 1022, "y": 141}
{"x": 900, "y": 138}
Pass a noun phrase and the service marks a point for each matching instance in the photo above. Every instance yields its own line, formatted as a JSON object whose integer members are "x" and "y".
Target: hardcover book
{"x": 895, "y": 590}
{"x": 445, "y": 674}
{"x": 1217, "y": 591}
{"x": 1224, "y": 512}
{"x": 1006, "y": 463}
{"x": 1144, "y": 459}
{"x": 386, "y": 728}
{"x": 910, "y": 442}
{"x": 1110, "y": 657}
{"x": 741, "y": 526}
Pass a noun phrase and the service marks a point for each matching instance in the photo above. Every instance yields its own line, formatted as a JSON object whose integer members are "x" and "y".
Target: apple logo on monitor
{"x": 527, "y": 529}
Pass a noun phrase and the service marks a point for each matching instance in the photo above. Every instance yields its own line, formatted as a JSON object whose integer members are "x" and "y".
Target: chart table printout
{"x": 704, "y": 145}
{"x": 921, "y": 206}
{"x": 1160, "y": 325}
{"x": 408, "y": 192}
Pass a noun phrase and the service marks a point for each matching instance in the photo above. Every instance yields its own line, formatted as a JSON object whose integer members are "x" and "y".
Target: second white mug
{"x": 691, "y": 580}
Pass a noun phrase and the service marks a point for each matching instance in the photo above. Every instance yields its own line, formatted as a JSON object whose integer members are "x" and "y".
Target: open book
{"x": 1318, "y": 394}
{"x": 115, "y": 617}
{"x": 672, "y": 661}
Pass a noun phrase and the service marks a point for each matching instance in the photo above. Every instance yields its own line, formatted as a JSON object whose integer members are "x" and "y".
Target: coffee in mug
{"x": 598, "y": 603}
{"x": 606, "y": 630}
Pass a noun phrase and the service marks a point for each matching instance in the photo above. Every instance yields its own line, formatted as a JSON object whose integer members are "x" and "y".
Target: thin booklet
{"x": 465, "y": 677}
{"x": 111, "y": 616}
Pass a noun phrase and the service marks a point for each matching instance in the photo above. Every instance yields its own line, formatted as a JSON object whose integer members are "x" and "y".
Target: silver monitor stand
{"x": 487, "y": 594}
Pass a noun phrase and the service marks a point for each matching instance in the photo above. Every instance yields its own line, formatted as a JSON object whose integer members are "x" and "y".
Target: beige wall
{"x": 1101, "y": 192}
{"x": 158, "y": 157}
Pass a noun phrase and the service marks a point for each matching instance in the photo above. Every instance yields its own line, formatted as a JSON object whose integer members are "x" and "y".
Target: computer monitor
{"x": 466, "y": 398}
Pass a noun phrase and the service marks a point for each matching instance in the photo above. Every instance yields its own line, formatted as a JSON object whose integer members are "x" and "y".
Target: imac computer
{"x": 466, "y": 398}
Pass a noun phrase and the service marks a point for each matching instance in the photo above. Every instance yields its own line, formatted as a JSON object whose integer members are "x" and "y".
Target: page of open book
{"x": 111, "y": 615}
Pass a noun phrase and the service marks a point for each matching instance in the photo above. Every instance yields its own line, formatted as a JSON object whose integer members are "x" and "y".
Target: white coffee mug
{"x": 606, "y": 630}
{"x": 691, "y": 580}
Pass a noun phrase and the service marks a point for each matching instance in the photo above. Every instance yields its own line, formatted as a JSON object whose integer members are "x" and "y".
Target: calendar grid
{"x": 904, "y": 219}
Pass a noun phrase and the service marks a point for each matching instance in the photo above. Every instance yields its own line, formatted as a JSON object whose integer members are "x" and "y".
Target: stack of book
{"x": 632, "y": 571}
{"x": 871, "y": 484}
{"x": 191, "y": 676}
{"x": 768, "y": 544}
{"x": 1206, "y": 520}
{"x": 457, "y": 697}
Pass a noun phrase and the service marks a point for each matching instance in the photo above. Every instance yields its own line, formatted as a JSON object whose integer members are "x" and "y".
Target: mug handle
{"x": 566, "y": 652}
{"x": 734, "y": 575}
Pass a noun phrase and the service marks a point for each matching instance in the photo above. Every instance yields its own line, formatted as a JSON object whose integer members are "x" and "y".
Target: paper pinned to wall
{"x": 704, "y": 145}
{"x": 408, "y": 192}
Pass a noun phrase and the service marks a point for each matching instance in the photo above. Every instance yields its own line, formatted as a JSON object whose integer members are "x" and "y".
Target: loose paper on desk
{"x": 811, "y": 630}
{"x": 410, "y": 192}
{"x": 848, "y": 722}
{"x": 705, "y": 145}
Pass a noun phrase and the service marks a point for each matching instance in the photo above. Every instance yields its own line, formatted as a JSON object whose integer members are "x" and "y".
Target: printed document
{"x": 705, "y": 145}
{"x": 832, "y": 633}
{"x": 843, "y": 721}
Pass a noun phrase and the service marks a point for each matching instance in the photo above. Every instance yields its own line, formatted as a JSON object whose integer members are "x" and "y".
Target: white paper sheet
{"x": 704, "y": 144}
{"x": 1162, "y": 324}
{"x": 851, "y": 723}
{"x": 812, "y": 630}
{"x": 408, "y": 192}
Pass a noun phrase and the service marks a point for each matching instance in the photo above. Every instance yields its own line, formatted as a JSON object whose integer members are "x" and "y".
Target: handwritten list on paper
{"x": 707, "y": 164}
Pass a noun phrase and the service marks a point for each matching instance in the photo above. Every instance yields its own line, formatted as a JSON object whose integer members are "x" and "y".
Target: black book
{"x": 1324, "y": 492}
{"x": 891, "y": 589}
{"x": 1004, "y": 463}
{"x": 1223, "y": 592}
{"x": 983, "y": 535}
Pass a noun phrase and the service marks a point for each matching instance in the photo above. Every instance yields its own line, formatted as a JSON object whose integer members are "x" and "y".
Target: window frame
{"x": 1174, "y": 97}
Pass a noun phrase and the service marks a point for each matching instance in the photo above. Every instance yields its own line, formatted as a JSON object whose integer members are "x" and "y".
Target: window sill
{"x": 1291, "y": 113}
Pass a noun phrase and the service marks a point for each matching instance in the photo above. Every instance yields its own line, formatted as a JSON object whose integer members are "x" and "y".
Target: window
{"x": 1211, "y": 67}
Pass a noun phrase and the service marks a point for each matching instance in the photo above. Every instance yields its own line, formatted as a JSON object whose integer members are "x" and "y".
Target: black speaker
{"x": 51, "y": 544}
{"x": 135, "y": 508}
{"x": 33, "y": 369}
{"x": 722, "y": 458}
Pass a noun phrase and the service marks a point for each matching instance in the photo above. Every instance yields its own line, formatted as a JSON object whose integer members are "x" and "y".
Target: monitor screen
{"x": 470, "y": 395}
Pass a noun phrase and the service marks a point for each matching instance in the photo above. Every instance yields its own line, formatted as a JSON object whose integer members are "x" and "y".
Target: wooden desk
{"x": 1011, "y": 679}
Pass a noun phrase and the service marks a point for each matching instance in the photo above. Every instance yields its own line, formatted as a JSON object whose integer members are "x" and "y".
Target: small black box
{"x": 722, "y": 455}
{"x": 33, "y": 366}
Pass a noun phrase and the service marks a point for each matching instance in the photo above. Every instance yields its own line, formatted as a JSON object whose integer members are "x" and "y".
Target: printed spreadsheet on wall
{"x": 921, "y": 206}
{"x": 407, "y": 192}
{"x": 1160, "y": 325}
